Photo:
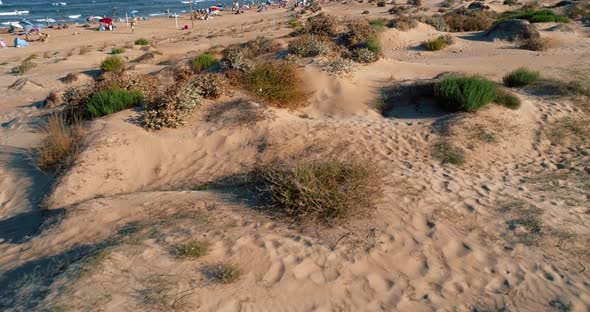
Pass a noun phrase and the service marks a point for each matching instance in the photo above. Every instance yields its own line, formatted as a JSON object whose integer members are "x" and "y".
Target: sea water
{"x": 66, "y": 11}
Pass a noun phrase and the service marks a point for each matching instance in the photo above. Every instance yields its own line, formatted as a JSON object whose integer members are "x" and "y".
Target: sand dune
{"x": 103, "y": 234}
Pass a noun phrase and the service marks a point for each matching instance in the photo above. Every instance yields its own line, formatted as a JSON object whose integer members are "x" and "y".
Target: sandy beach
{"x": 499, "y": 222}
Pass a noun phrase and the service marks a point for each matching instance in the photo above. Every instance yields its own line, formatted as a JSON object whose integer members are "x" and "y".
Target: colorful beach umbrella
{"x": 106, "y": 20}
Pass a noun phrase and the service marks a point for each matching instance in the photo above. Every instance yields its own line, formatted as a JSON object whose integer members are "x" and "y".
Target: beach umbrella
{"x": 106, "y": 20}
{"x": 13, "y": 24}
{"x": 46, "y": 20}
{"x": 214, "y": 8}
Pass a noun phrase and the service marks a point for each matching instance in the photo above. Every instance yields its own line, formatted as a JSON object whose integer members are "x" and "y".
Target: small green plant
{"x": 373, "y": 44}
{"x": 378, "y": 23}
{"x": 444, "y": 151}
{"x": 112, "y": 64}
{"x": 277, "y": 82}
{"x": 157, "y": 52}
{"x": 192, "y": 249}
{"x": 464, "y": 93}
{"x": 203, "y": 61}
{"x": 318, "y": 192}
{"x": 142, "y": 41}
{"x": 225, "y": 273}
{"x": 111, "y": 100}
{"x": 521, "y": 76}
{"x": 117, "y": 50}
{"x": 507, "y": 99}
{"x": 439, "y": 43}
{"x": 294, "y": 23}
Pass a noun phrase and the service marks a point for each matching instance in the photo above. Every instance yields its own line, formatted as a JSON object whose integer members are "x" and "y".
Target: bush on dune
{"x": 506, "y": 99}
{"x": 322, "y": 25}
{"x": 59, "y": 146}
{"x": 439, "y": 43}
{"x": 462, "y": 21}
{"x": 309, "y": 46}
{"x": 203, "y": 61}
{"x": 521, "y": 76}
{"x": 535, "y": 16}
{"x": 403, "y": 23}
{"x": 112, "y": 64}
{"x": 112, "y": 100}
{"x": 276, "y": 82}
{"x": 117, "y": 51}
{"x": 535, "y": 44}
{"x": 174, "y": 108}
{"x": 464, "y": 93}
{"x": 142, "y": 41}
{"x": 320, "y": 192}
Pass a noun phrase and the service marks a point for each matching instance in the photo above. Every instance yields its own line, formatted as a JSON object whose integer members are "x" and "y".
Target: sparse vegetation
{"x": 373, "y": 44}
{"x": 309, "y": 46}
{"x": 364, "y": 55}
{"x": 142, "y": 42}
{"x": 570, "y": 131}
{"x": 26, "y": 65}
{"x": 322, "y": 25}
{"x": 439, "y": 43}
{"x": 464, "y": 93}
{"x": 444, "y": 151}
{"x": 235, "y": 57}
{"x": 321, "y": 192}
{"x": 192, "y": 249}
{"x": 276, "y": 82}
{"x": 507, "y": 99}
{"x": 438, "y": 22}
{"x": 462, "y": 21}
{"x": 403, "y": 23}
{"x": 447, "y": 3}
{"x": 579, "y": 10}
{"x": 203, "y": 61}
{"x": 117, "y": 50}
{"x": 59, "y": 146}
{"x": 535, "y": 16}
{"x": 211, "y": 86}
{"x": 378, "y": 22}
{"x": 112, "y": 64}
{"x": 340, "y": 66}
{"x": 525, "y": 222}
{"x": 521, "y": 76}
{"x": 294, "y": 23}
{"x": 224, "y": 273}
{"x": 70, "y": 78}
{"x": 111, "y": 100}
{"x": 175, "y": 107}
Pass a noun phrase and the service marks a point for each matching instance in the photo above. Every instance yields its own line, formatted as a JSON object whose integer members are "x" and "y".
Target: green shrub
{"x": 535, "y": 16}
{"x": 506, "y": 98}
{"x": 294, "y": 23}
{"x": 117, "y": 50}
{"x": 464, "y": 93}
{"x": 321, "y": 192}
{"x": 444, "y": 151}
{"x": 521, "y": 76}
{"x": 322, "y": 25}
{"x": 438, "y": 22}
{"x": 192, "y": 249}
{"x": 174, "y": 108}
{"x": 439, "y": 43}
{"x": 111, "y": 100}
{"x": 277, "y": 82}
{"x": 373, "y": 44}
{"x": 112, "y": 64}
{"x": 203, "y": 61}
{"x": 142, "y": 41}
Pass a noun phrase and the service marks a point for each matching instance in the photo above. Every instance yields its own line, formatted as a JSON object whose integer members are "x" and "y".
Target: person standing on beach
{"x": 132, "y": 26}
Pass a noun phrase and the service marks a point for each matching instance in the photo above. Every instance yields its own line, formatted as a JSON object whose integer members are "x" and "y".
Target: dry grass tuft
{"x": 535, "y": 44}
{"x": 52, "y": 100}
{"x": 322, "y": 192}
{"x": 224, "y": 273}
{"x": 70, "y": 78}
{"x": 192, "y": 249}
{"x": 447, "y": 153}
{"x": 60, "y": 145}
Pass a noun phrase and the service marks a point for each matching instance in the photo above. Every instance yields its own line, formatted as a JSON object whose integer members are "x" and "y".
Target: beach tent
{"x": 20, "y": 43}
{"x": 106, "y": 20}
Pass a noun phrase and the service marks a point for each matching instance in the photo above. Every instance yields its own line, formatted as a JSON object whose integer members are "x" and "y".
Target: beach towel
{"x": 20, "y": 43}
